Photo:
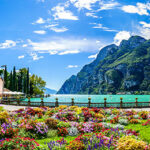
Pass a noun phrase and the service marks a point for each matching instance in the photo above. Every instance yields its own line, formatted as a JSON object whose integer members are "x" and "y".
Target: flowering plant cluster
{"x": 87, "y": 128}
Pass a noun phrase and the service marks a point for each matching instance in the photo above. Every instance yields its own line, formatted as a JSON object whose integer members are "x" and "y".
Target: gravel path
{"x": 12, "y": 108}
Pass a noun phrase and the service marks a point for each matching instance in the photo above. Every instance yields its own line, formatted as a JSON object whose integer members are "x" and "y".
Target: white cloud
{"x": 40, "y": 32}
{"x": 21, "y": 57}
{"x": 122, "y": 35}
{"x": 145, "y": 25}
{"x": 72, "y": 66}
{"x": 62, "y": 46}
{"x": 90, "y": 14}
{"x": 93, "y": 56}
{"x": 69, "y": 52}
{"x": 35, "y": 56}
{"x": 143, "y": 31}
{"x": 61, "y": 13}
{"x": 100, "y": 26}
{"x": 39, "y": 21}
{"x": 7, "y": 44}
{"x": 51, "y": 25}
{"x": 87, "y": 4}
{"x": 107, "y": 6}
{"x": 55, "y": 29}
{"x": 140, "y": 8}
{"x": 24, "y": 45}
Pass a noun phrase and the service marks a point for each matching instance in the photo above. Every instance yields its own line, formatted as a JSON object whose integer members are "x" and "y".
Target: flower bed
{"x": 72, "y": 128}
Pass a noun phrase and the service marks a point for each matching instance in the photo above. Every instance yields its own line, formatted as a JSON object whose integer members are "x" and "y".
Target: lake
{"x": 94, "y": 98}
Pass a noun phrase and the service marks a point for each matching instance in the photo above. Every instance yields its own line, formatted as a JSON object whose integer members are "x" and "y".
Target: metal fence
{"x": 105, "y": 104}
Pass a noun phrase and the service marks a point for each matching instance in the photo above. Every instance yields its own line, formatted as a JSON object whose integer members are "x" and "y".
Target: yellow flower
{"x": 130, "y": 143}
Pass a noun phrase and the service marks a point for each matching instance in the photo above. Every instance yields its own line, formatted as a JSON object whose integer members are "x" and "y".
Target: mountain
{"x": 50, "y": 91}
{"x": 123, "y": 68}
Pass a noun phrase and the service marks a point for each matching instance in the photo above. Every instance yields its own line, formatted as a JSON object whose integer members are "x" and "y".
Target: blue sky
{"x": 56, "y": 38}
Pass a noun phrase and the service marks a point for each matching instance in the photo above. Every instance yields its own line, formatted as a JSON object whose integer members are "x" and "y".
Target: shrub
{"x": 75, "y": 145}
{"x": 51, "y": 133}
{"x": 8, "y": 132}
{"x": 130, "y": 143}
{"x": 118, "y": 126}
{"x": 1, "y": 108}
{"x": 41, "y": 129}
{"x": 98, "y": 127}
{"x": 114, "y": 120}
{"x": 144, "y": 114}
{"x": 3, "y": 117}
{"x": 18, "y": 143}
{"x": 134, "y": 121}
{"x": 123, "y": 121}
{"x": 73, "y": 131}
{"x": 62, "y": 131}
{"x": 63, "y": 124}
{"x": 51, "y": 123}
{"x": 146, "y": 123}
{"x": 98, "y": 115}
{"x": 136, "y": 116}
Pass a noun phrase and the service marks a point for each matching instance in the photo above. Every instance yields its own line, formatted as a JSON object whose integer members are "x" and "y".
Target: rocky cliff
{"x": 116, "y": 69}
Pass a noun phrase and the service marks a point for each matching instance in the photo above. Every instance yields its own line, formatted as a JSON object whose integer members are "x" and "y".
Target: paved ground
{"x": 12, "y": 108}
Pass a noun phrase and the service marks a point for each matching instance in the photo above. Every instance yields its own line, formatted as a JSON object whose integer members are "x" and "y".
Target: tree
{"x": 38, "y": 85}
{"x": 11, "y": 81}
{"x": 28, "y": 82}
{"x": 5, "y": 77}
{"x": 14, "y": 79}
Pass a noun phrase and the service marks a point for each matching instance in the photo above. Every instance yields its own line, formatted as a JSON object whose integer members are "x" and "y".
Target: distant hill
{"x": 123, "y": 68}
{"x": 50, "y": 91}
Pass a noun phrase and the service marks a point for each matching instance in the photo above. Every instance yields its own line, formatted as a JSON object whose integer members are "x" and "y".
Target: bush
{"x": 3, "y": 117}
{"x": 123, "y": 121}
{"x": 129, "y": 143}
{"x": 118, "y": 126}
{"x": 52, "y": 133}
{"x": 62, "y": 132}
{"x": 73, "y": 131}
{"x": 144, "y": 114}
{"x": 41, "y": 130}
{"x": 75, "y": 145}
{"x": 8, "y": 132}
{"x": 51, "y": 123}
{"x": 1, "y": 109}
{"x": 63, "y": 124}
{"x": 18, "y": 143}
{"x": 134, "y": 121}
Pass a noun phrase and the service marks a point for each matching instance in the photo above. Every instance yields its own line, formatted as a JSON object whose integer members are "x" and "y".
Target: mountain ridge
{"x": 116, "y": 69}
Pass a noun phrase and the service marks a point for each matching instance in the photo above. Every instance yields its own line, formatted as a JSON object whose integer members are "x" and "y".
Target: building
{"x": 6, "y": 92}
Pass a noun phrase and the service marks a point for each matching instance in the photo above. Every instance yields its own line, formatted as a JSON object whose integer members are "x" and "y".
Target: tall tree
{"x": 28, "y": 81}
{"x": 11, "y": 81}
{"x": 14, "y": 79}
{"x": 5, "y": 77}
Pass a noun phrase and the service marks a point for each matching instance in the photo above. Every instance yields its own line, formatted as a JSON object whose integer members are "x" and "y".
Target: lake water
{"x": 94, "y": 98}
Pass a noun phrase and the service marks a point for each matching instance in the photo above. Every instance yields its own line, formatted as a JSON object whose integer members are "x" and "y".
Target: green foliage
{"x": 21, "y": 81}
{"x": 144, "y": 131}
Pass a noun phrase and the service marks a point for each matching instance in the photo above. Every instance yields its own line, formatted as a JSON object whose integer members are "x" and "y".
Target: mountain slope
{"x": 50, "y": 91}
{"x": 117, "y": 68}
